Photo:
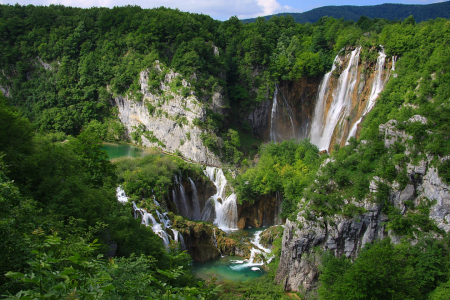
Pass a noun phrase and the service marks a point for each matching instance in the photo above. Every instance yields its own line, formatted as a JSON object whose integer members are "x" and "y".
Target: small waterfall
{"x": 273, "y": 116}
{"x": 214, "y": 240}
{"x": 394, "y": 60}
{"x": 258, "y": 250}
{"x": 184, "y": 209}
{"x": 156, "y": 202}
{"x": 175, "y": 200}
{"x": 279, "y": 198}
{"x": 377, "y": 88}
{"x": 275, "y": 135}
{"x": 120, "y": 194}
{"x": 147, "y": 219}
{"x": 178, "y": 237}
{"x": 196, "y": 214}
{"x": 225, "y": 209}
{"x": 340, "y": 106}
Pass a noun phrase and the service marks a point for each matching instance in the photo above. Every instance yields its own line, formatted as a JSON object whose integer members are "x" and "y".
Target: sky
{"x": 219, "y": 9}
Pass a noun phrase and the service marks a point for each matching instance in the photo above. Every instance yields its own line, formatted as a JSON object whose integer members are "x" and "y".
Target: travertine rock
{"x": 170, "y": 119}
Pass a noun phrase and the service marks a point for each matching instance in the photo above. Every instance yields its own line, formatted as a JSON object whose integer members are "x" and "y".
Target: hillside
{"x": 383, "y": 11}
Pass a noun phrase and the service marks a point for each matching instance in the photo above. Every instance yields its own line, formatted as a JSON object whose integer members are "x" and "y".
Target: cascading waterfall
{"x": 377, "y": 88}
{"x": 340, "y": 106}
{"x": 148, "y": 220}
{"x": 257, "y": 250}
{"x": 196, "y": 214}
{"x": 225, "y": 208}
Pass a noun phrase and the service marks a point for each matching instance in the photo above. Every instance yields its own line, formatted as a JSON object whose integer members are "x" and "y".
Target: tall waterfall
{"x": 273, "y": 116}
{"x": 377, "y": 88}
{"x": 225, "y": 208}
{"x": 341, "y": 103}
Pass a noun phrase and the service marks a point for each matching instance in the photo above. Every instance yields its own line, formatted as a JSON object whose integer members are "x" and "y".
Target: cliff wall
{"x": 165, "y": 116}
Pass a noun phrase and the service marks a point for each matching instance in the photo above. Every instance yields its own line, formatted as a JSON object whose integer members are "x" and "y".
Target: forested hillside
{"x": 390, "y": 11}
{"x": 63, "y": 72}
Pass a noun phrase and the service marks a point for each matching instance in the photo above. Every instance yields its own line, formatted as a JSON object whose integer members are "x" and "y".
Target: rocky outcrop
{"x": 264, "y": 211}
{"x": 296, "y": 100}
{"x": 298, "y": 266}
{"x": 302, "y": 238}
{"x": 165, "y": 116}
{"x": 205, "y": 241}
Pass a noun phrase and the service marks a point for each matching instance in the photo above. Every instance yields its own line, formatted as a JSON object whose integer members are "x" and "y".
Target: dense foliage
{"x": 59, "y": 216}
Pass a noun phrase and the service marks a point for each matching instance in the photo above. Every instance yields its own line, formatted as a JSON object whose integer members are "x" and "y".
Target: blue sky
{"x": 219, "y": 9}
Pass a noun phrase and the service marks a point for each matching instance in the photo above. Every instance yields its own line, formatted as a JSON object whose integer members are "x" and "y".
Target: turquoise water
{"x": 225, "y": 268}
{"x": 228, "y": 267}
{"x": 116, "y": 151}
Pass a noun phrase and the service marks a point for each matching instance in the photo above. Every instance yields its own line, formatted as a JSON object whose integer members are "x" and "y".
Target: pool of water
{"x": 226, "y": 268}
{"x": 230, "y": 267}
{"x": 116, "y": 151}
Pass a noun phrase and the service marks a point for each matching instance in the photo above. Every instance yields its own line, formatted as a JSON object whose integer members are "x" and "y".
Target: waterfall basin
{"x": 221, "y": 268}
{"x": 234, "y": 268}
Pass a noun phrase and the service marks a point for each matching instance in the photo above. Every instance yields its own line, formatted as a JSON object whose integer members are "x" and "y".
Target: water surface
{"x": 116, "y": 151}
{"x": 230, "y": 267}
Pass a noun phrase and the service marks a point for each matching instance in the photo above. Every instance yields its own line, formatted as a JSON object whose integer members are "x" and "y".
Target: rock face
{"x": 264, "y": 212}
{"x": 298, "y": 268}
{"x": 291, "y": 116}
{"x": 164, "y": 117}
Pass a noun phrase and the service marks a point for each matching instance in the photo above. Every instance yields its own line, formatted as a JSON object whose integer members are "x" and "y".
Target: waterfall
{"x": 273, "y": 115}
{"x": 377, "y": 88}
{"x": 196, "y": 214}
{"x": 175, "y": 200}
{"x": 341, "y": 103}
{"x": 154, "y": 201}
{"x": 225, "y": 208}
{"x": 185, "y": 212}
{"x": 275, "y": 136}
{"x": 148, "y": 220}
{"x": 394, "y": 60}
{"x": 318, "y": 122}
{"x": 259, "y": 250}
{"x": 279, "y": 198}
{"x": 120, "y": 194}
{"x": 178, "y": 237}
{"x": 214, "y": 240}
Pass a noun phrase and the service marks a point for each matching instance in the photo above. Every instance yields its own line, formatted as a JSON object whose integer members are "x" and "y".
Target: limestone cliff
{"x": 298, "y": 268}
{"x": 165, "y": 115}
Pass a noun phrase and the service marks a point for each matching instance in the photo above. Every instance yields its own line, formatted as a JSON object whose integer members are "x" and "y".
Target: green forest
{"x": 64, "y": 235}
